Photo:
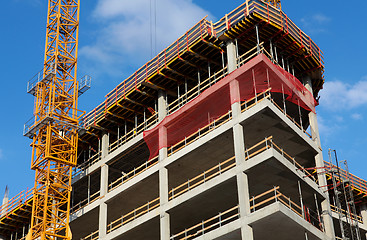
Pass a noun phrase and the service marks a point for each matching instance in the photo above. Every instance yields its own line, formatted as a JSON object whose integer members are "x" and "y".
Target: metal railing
{"x": 258, "y": 202}
{"x": 345, "y": 213}
{"x": 148, "y": 123}
{"x": 202, "y": 178}
{"x": 196, "y": 33}
{"x": 89, "y": 162}
{"x": 292, "y": 119}
{"x": 208, "y": 225}
{"x": 270, "y": 14}
{"x": 16, "y": 201}
{"x": 84, "y": 84}
{"x": 92, "y": 236}
{"x": 230, "y": 163}
{"x": 144, "y": 73}
{"x": 85, "y": 202}
{"x": 274, "y": 195}
{"x": 133, "y": 173}
{"x": 138, "y": 212}
{"x": 200, "y": 133}
{"x": 36, "y": 79}
{"x": 195, "y": 91}
{"x": 354, "y": 180}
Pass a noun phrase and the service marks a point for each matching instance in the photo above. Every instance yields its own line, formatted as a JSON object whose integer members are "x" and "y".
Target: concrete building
{"x": 215, "y": 138}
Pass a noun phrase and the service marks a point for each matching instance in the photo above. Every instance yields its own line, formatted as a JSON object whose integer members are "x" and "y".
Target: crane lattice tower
{"x": 55, "y": 128}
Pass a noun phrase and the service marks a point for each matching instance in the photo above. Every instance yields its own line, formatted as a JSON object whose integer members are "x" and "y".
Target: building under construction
{"x": 216, "y": 137}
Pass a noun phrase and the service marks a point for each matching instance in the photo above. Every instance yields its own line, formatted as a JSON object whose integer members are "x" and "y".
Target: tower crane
{"x": 54, "y": 128}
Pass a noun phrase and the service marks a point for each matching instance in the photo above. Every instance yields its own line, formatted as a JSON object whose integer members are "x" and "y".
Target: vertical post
{"x": 238, "y": 60}
{"x": 364, "y": 213}
{"x": 209, "y": 73}
{"x": 257, "y": 38}
{"x": 103, "y": 204}
{"x": 88, "y": 189}
{"x": 185, "y": 90}
{"x": 271, "y": 51}
{"x": 231, "y": 56}
{"x": 199, "y": 81}
{"x": 163, "y": 172}
{"x": 276, "y": 54}
{"x": 239, "y": 145}
{"x": 301, "y": 199}
{"x": 325, "y": 204}
{"x": 103, "y": 189}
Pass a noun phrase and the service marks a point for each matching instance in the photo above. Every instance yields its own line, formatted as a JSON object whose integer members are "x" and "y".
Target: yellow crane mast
{"x": 55, "y": 127}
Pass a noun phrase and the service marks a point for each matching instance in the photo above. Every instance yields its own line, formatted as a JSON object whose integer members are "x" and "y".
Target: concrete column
{"x": 231, "y": 56}
{"x": 162, "y": 105}
{"x": 105, "y": 144}
{"x": 103, "y": 188}
{"x": 364, "y": 213}
{"x": 239, "y": 144}
{"x": 163, "y": 194}
{"x": 103, "y": 205}
{"x": 163, "y": 172}
{"x": 319, "y": 162}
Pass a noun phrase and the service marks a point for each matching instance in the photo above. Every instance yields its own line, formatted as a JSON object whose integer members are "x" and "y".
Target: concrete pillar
{"x": 103, "y": 205}
{"x": 163, "y": 194}
{"x": 239, "y": 144}
{"x": 105, "y": 144}
{"x": 103, "y": 188}
{"x": 162, "y": 105}
{"x": 319, "y": 162}
{"x": 364, "y": 213}
{"x": 231, "y": 56}
{"x": 163, "y": 172}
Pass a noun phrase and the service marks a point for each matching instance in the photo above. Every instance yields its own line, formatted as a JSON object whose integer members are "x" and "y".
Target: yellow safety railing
{"x": 230, "y": 163}
{"x": 200, "y": 133}
{"x": 269, "y": 14}
{"x": 208, "y": 225}
{"x": 133, "y": 173}
{"x": 126, "y": 218}
{"x": 89, "y": 162}
{"x": 85, "y": 202}
{"x": 274, "y": 195}
{"x": 144, "y": 73}
{"x": 258, "y": 202}
{"x": 345, "y": 213}
{"x": 15, "y": 202}
{"x": 356, "y": 182}
{"x": 201, "y": 29}
{"x": 92, "y": 236}
{"x": 148, "y": 123}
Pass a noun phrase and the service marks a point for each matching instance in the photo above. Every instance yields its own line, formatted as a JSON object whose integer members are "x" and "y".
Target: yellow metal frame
{"x": 275, "y": 3}
{"x": 55, "y": 143}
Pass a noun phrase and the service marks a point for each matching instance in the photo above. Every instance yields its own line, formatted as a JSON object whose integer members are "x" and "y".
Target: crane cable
{"x": 153, "y": 27}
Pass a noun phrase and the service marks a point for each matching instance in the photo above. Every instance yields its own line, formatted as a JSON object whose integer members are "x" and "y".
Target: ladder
{"x": 344, "y": 199}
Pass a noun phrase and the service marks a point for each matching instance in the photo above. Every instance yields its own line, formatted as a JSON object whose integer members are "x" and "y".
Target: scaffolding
{"x": 344, "y": 199}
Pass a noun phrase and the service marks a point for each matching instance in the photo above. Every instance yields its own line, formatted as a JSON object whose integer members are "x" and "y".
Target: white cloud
{"x": 338, "y": 95}
{"x": 315, "y": 23}
{"x": 124, "y": 35}
{"x": 357, "y": 116}
{"x": 320, "y": 18}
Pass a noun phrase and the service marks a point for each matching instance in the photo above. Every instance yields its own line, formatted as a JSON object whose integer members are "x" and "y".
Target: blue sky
{"x": 115, "y": 41}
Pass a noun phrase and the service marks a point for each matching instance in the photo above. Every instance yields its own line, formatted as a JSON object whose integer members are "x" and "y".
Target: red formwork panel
{"x": 256, "y": 76}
